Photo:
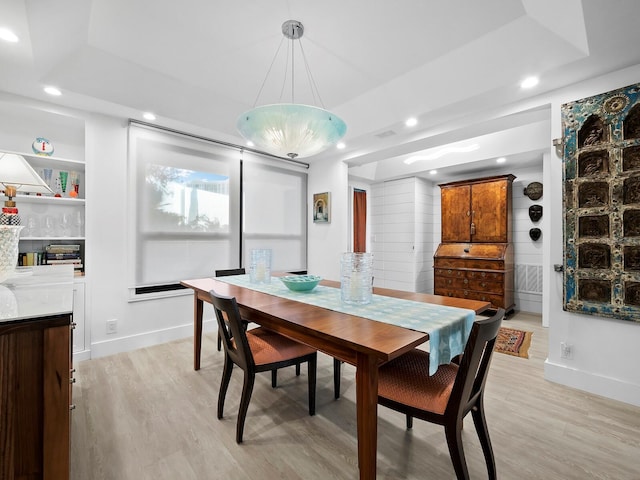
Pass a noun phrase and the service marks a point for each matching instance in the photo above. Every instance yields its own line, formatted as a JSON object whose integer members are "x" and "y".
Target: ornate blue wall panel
{"x": 601, "y": 138}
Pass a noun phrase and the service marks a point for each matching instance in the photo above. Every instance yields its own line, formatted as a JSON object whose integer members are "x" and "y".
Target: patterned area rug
{"x": 513, "y": 342}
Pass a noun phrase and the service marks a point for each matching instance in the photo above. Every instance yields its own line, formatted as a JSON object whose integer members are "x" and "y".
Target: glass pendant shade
{"x": 291, "y": 130}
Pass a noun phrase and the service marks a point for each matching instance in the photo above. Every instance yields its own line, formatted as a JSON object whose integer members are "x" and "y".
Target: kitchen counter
{"x": 36, "y": 292}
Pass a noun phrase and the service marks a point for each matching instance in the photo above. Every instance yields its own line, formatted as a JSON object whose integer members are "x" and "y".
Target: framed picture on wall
{"x": 322, "y": 207}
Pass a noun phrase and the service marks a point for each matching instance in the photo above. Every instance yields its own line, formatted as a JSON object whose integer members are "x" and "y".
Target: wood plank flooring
{"x": 147, "y": 415}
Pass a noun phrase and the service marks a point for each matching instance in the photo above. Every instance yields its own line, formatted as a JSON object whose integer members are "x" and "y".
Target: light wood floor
{"x": 148, "y": 415}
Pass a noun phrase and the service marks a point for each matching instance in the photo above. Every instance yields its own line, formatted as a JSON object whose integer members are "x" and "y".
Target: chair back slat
{"x": 230, "y": 271}
{"x": 474, "y": 365}
{"x": 234, "y": 337}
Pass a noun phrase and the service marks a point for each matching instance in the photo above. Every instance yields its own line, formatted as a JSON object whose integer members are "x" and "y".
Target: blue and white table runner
{"x": 448, "y": 327}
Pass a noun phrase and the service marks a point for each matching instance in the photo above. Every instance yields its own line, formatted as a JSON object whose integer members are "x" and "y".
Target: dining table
{"x": 365, "y": 336}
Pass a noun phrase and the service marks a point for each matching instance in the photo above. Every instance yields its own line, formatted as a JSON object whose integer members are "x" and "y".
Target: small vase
{"x": 356, "y": 278}
{"x": 63, "y": 181}
{"x": 260, "y": 266}
{"x": 9, "y": 238}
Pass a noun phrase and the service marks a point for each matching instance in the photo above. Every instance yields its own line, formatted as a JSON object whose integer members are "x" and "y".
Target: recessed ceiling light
{"x": 411, "y": 122}
{"x": 340, "y": 145}
{"x": 501, "y": 160}
{"x": 53, "y": 91}
{"x": 149, "y": 116}
{"x": 250, "y": 143}
{"x": 8, "y": 36}
{"x": 529, "y": 82}
{"x": 433, "y": 172}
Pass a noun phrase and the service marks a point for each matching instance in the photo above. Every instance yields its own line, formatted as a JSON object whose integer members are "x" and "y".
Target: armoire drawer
{"x": 473, "y": 284}
{"x": 496, "y": 300}
{"x": 469, "y": 263}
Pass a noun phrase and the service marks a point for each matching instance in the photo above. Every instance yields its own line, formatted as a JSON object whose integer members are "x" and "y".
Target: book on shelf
{"x": 73, "y": 261}
{"x": 62, "y": 256}
{"x": 29, "y": 259}
{"x": 62, "y": 248}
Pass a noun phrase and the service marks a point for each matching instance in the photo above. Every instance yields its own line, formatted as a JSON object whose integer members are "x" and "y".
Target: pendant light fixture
{"x": 290, "y": 129}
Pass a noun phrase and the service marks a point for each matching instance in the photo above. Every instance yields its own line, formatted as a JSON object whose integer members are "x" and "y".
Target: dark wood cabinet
{"x": 35, "y": 396}
{"x": 475, "y": 258}
{"x": 477, "y": 211}
{"x": 36, "y": 373}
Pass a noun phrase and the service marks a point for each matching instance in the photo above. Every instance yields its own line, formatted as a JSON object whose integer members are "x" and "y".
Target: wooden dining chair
{"x": 256, "y": 350}
{"x": 226, "y": 273}
{"x": 242, "y": 271}
{"x": 445, "y": 398}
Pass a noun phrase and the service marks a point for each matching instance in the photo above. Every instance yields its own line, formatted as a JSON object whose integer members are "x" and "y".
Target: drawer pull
{"x": 466, "y": 280}
{"x": 449, "y": 272}
{"x": 483, "y": 284}
{"x": 449, "y": 281}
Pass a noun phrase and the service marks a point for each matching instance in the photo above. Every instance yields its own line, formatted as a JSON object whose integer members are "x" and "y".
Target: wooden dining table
{"x": 361, "y": 342}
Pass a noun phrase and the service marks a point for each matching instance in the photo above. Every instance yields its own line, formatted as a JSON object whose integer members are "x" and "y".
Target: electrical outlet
{"x": 112, "y": 326}
{"x": 566, "y": 350}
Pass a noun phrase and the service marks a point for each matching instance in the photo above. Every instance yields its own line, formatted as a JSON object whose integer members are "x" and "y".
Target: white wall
{"x": 528, "y": 259}
{"x": 327, "y": 241}
{"x": 605, "y": 351}
{"x": 402, "y": 234}
{"x": 139, "y": 323}
{"x": 424, "y": 236}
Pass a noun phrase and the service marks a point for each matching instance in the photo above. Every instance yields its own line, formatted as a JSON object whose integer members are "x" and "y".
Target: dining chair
{"x": 256, "y": 350}
{"x": 226, "y": 273}
{"x": 242, "y": 271}
{"x": 446, "y": 397}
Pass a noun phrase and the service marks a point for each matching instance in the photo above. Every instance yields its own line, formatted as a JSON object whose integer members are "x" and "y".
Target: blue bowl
{"x": 301, "y": 283}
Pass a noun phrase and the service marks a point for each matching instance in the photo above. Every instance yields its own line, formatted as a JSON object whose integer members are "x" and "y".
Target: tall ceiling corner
{"x": 565, "y": 19}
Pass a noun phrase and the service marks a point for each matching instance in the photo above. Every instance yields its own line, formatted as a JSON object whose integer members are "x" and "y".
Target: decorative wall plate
{"x": 42, "y": 146}
{"x": 533, "y": 190}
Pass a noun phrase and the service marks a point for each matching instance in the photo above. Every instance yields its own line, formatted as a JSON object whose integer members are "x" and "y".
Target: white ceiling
{"x": 455, "y": 65}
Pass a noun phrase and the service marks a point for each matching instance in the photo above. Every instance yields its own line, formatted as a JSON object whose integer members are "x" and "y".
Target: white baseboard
{"x": 597, "y": 384}
{"x": 81, "y": 355}
{"x": 146, "y": 339}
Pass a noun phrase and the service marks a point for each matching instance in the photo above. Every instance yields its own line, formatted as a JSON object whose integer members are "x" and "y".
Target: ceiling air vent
{"x": 385, "y": 134}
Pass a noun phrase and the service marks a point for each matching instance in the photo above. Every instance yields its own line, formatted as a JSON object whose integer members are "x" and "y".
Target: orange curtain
{"x": 359, "y": 221}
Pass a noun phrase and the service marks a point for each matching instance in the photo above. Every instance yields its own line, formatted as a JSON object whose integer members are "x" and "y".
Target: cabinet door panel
{"x": 456, "y": 214}
{"x": 489, "y": 211}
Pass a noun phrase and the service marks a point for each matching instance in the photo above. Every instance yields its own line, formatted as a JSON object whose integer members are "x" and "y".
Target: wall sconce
{"x": 559, "y": 144}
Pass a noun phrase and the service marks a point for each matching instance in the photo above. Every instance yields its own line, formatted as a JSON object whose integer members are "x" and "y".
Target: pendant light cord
{"x": 268, "y": 72}
{"x": 315, "y": 92}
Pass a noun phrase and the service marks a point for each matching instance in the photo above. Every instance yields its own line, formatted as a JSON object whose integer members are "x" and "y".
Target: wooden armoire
{"x": 475, "y": 257}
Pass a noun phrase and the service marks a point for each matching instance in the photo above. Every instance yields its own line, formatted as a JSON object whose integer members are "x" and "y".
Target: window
{"x": 275, "y": 213}
{"x": 191, "y": 213}
{"x": 186, "y": 220}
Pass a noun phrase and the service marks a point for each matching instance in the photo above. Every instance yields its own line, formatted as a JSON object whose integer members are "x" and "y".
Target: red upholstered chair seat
{"x": 406, "y": 380}
{"x": 270, "y": 347}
